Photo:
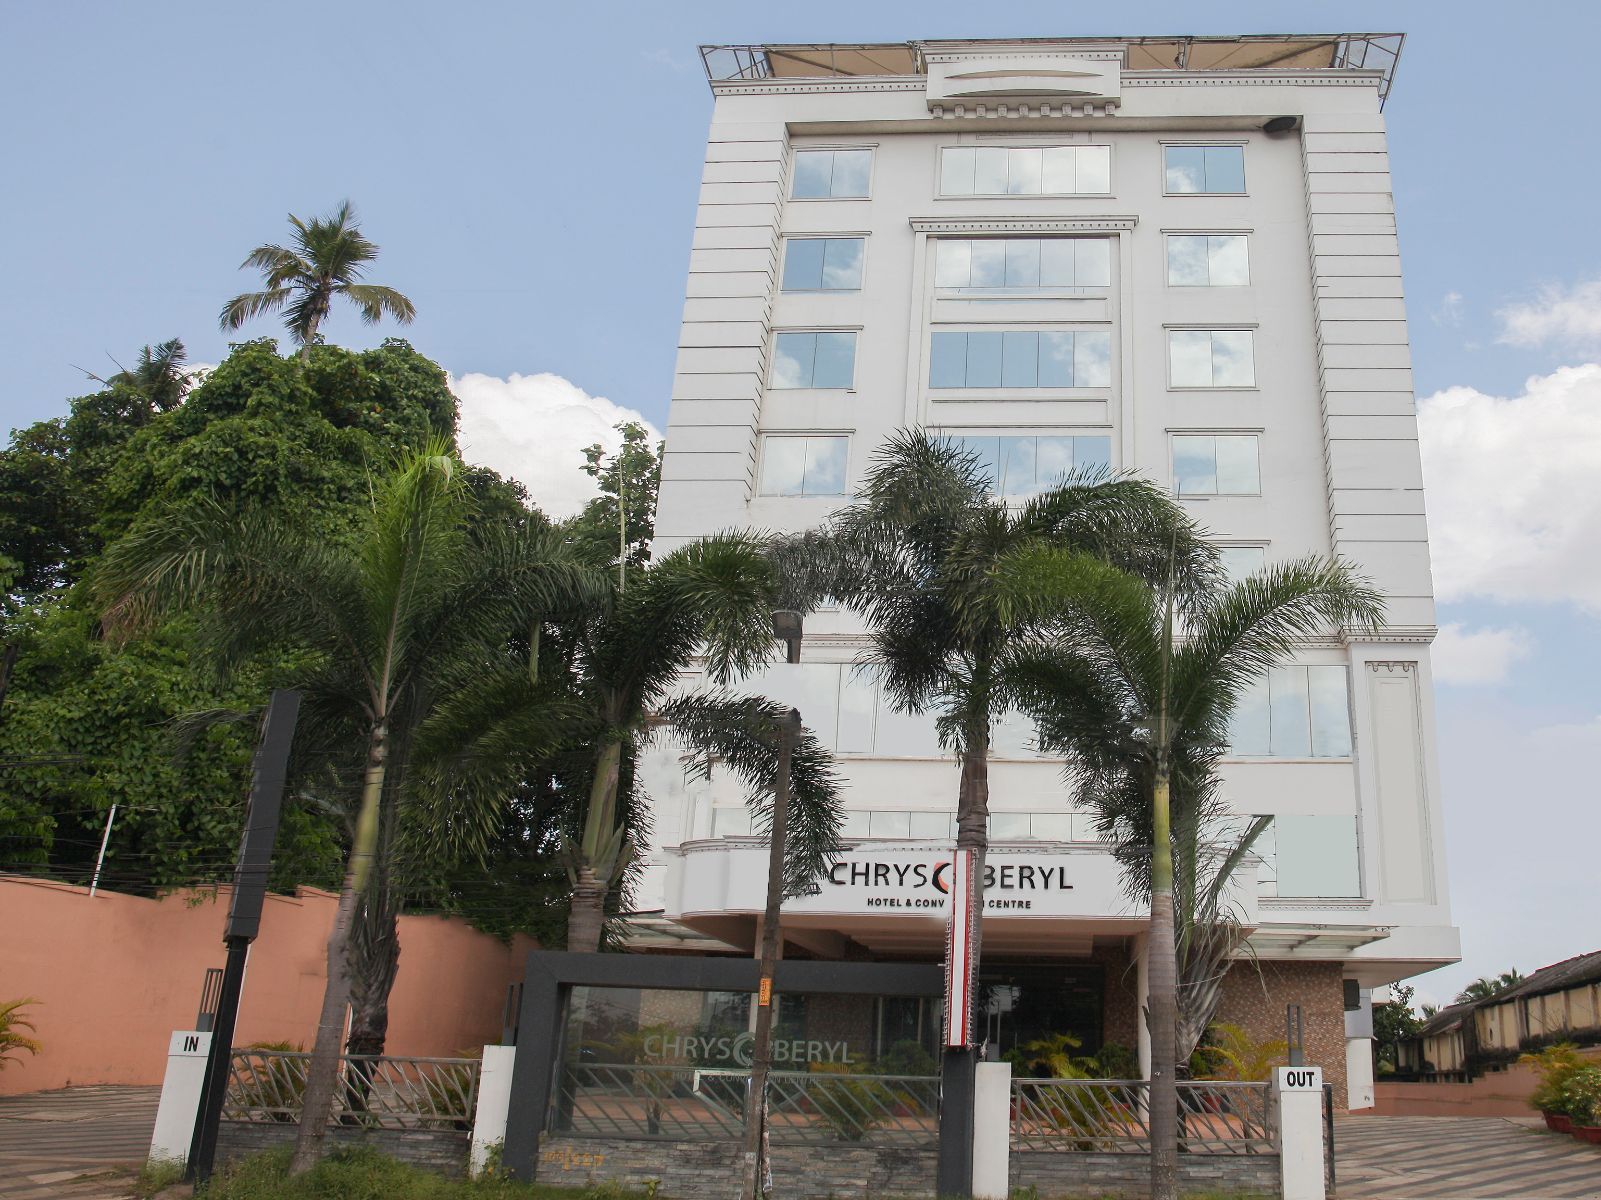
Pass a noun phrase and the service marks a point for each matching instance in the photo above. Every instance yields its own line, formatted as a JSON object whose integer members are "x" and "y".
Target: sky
{"x": 530, "y": 172}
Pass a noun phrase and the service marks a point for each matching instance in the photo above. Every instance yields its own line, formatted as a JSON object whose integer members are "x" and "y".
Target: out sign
{"x": 1299, "y": 1079}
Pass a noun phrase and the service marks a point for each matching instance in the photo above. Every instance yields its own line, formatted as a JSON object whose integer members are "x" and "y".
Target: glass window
{"x": 1053, "y": 827}
{"x": 1215, "y": 170}
{"x": 858, "y": 697}
{"x": 730, "y": 822}
{"x": 1207, "y": 260}
{"x": 854, "y": 825}
{"x": 1025, "y": 170}
{"x": 814, "y": 360}
{"x": 1293, "y": 712}
{"x": 1023, "y": 465}
{"x": 1022, "y": 264}
{"x": 1020, "y": 358}
{"x": 933, "y": 826}
{"x": 1207, "y": 358}
{"x": 831, "y": 174}
{"x": 807, "y": 465}
{"x": 889, "y": 825}
{"x": 1240, "y": 562}
{"x": 1005, "y": 825}
{"x": 1316, "y": 856}
{"x": 1215, "y": 464}
{"x": 822, "y": 264}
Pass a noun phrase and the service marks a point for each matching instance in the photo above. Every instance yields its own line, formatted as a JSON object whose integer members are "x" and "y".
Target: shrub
{"x": 1231, "y": 1053}
{"x": 1580, "y": 1096}
{"x": 12, "y": 1039}
{"x": 1553, "y": 1065}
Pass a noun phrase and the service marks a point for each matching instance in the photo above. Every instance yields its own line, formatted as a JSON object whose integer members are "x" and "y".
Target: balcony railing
{"x": 1112, "y": 1116}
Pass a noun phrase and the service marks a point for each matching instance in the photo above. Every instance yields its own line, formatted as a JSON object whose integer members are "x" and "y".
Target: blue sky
{"x": 530, "y": 171}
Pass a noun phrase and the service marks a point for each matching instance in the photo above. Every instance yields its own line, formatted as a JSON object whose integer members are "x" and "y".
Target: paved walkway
{"x": 75, "y": 1144}
{"x": 1461, "y": 1158}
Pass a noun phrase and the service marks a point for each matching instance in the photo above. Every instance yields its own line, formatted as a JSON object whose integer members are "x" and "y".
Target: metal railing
{"x": 266, "y": 1086}
{"x": 1111, "y": 1116}
{"x": 681, "y": 1103}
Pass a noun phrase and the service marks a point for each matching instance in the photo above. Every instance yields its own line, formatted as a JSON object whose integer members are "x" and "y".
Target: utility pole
{"x": 244, "y": 917}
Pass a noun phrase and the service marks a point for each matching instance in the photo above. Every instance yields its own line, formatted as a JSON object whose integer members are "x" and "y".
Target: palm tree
{"x": 1144, "y": 716}
{"x": 920, "y": 556}
{"x": 1484, "y": 987}
{"x": 385, "y": 616}
{"x": 327, "y": 260}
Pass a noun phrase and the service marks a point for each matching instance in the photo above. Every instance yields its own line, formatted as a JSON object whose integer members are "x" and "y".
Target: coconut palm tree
{"x": 385, "y": 618}
{"x": 918, "y": 556}
{"x": 1484, "y": 987}
{"x": 327, "y": 259}
{"x": 1144, "y": 715}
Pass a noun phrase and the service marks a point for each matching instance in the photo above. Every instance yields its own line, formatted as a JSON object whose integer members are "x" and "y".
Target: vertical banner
{"x": 958, "y": 938}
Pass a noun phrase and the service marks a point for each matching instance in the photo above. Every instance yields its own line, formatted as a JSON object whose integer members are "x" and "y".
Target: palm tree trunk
{"x": 1162, "y": 1002}
{"x": 322, "y": 1073}
{"x": 972, "y": 833}
{"x": 586, "y": 920}
{"x": 374, "y": 959}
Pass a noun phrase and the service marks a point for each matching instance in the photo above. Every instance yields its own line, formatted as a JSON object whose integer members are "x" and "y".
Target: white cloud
{"x": 1566, "y": 315}
{"x": 1450, "y": 310}
{"x": 1514, "y": 506}
{"x": 1476, "y": 656}
{"x": 534, "y": 428}
{"x": 1585, "y": 735}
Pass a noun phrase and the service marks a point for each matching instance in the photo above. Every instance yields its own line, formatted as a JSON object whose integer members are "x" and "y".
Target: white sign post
{"x": 1298, "y": 1101}
{"x": 180, "y": 1096}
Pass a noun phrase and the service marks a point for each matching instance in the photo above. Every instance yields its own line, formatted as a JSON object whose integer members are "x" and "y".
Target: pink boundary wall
{"x": 115, "y": 974}
{"x": 1496, "y": 1094}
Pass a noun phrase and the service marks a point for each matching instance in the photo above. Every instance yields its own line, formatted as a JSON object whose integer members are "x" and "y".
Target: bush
{"x": 1554, "y": 1065}
{"x": 1580, "y": 1096}
{"x": 12, "y": 1023}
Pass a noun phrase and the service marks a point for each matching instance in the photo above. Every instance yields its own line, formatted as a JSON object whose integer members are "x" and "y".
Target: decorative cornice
{"x": 1390, "y": 668}
{"x": 854, "y": 83}
{"x": 950, "y": 225}
{"x": 950, "y": 111}
{"x": 1245, "y": 77}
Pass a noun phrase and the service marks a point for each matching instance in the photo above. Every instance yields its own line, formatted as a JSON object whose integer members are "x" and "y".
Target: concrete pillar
{"x": 1359, "y": 1073}
{"x": 180, "y": 1096}
{"x": 992, "y": 1131}
{"x": 494, "y": 1100}
{"x": 1298, "y": 1106}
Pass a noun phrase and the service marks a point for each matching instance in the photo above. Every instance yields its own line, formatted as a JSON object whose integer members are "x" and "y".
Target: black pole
{"x": 957, "y": 1078}
{"x": 244, "y": 917}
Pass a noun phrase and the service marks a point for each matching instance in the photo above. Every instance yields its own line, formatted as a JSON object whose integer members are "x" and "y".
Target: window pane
{"x": 1248, "y": 724}
{"x": 1053, "y": 460}
{"x": 1093, "y": 259}
{"x": 793, "y": 355}
{"x": 1060, "y": 175}
{"x": 956, "y": 171}
{"x": 803, "y": 265}
{"x": 1227, "y": 262}
{"x": 1186, "y": 260}
{"x": 842, "y": 264}
{"x": 1053, "y": 827}
{"x": 1022, "y": 263}
{"x": 1291, "y": 728}
{"x": 1186, "y": 168}
{"x": 986, "y": 450}
{"x": 1092, "y": 452}
{"x": 1016, "y": 474}
{"x": 812, "y": 170}
{"x": 783, "y": 466}
{"x": 1195, "y": 465}
{"x": 889, "y": 824}
{"x": 1094, "y": 169}
{"x": 854, "y": 825}
{"x": 1317, "y": 856}
{"x": 1225, "y": 169}
{"x": 825, "y": 466}
{"x": 1092, "y": 360}
{"x": 1056, "y": 263}
{"x": 1237, "y": 473}
{"x": 989, "y": 263}
{"x": 983, "y": 360}
{"x": 947, "y": 360}
{"x": 933, "y": 827}
{"x": 1056, "y": 359}
{"x": 1189, "y": 357}
{"x": 730, "y": 822}
{"x": 1240, "y": 562}
{"x": 1023, "y": 171}
{"x": 858, "y": 695}
{"x": 851, "y": 171}
{"x": 1331, "y": 713}
{"x": 836, "y": 360}
{"x": 1233, "y": 364}
{"x": 1021, "y": 365}
{"x": 1004, "y": 825}
{"x": 989, "y": 171}
{"x": 953, "y": 262}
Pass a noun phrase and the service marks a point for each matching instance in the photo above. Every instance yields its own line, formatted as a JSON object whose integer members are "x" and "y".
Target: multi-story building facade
{"x": 1175, "y": 257}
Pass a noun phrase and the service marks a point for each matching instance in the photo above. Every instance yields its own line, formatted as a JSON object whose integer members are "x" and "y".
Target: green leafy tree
{"x": 617, "y": 526}
{"x": 1394, "y": 1023}
{"x": 389, "y": 615}
{"x": 1144, "y": 717}
{"x": 1485, "y": 988}
{"x": 328, "y": 257}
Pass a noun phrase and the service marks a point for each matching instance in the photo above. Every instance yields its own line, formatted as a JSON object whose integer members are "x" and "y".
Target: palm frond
{"x": 374, "y": 303}
{"x": 251, "y": 305}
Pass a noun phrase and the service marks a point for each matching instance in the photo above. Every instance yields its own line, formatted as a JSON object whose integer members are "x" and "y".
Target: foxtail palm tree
{"x": 385, "y": 615}
{"x": 919, "y": 555}
{"x": 327, "y": 260}
{"x": 1144, "y": 715}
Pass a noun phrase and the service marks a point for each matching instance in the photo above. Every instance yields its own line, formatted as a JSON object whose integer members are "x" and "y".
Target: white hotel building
{"x": 1173, "y": 256}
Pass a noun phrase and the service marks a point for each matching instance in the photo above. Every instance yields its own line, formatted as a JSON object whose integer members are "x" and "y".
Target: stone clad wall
{"x": 444, "y": 1151}
{"x": 1129, "y": 1175}
{"x": 1254, "y": 997}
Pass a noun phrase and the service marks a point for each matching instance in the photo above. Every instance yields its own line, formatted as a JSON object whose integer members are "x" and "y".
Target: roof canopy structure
{"x": 1250, "y": 52}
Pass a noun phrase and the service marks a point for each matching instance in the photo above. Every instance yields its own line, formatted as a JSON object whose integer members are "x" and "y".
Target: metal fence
{"x": 680, "y": 1103}
{"x": 266, "y": 1086}
{"x": 1111, "y": 1116}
